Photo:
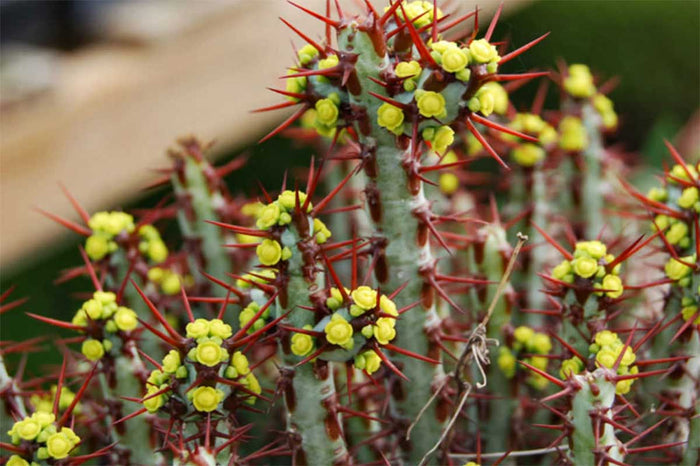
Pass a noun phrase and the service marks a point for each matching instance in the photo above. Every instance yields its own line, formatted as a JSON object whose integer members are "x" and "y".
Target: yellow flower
{"x": 483, "y": 52}
{"x": 408, "y": 69}
{"x": 171, "y": 283}
{"x": 523, "y": 334}
{"x": 689, "y": 197}
{"x": 389, "y": 116}
{"x": 585, "y": 267}
{"x": 157, "y": 251}
{"x": 364, "y": 297}
{"x": 60, "y": 444}
{"x": 98, "y": 246}
{"x": 487, "y": 101}
{"x": 688, "y": 312}
{"x": 677, "y": 232}
{"x": 606, "y": 358}
{"x": 384, "y": 330}
{"x": 388, "y": 306}
{"x": 217, "y": 328}
{"x": 153, "y": 403}
{"x": 268, "y": 216}
{"x": 307, "y": 53}
{"x": 595, "y": 249}
{"x": 540, "y": 343}
{"x": 444, "y": 137}
{"x": 302, "y": 344}
{"x": 288, "y": 200}
{"x": 269, "y": 252}
{"x": 92, "y": 349}
{"x": 606, "y": 338}
{"x": 573, "y": 134}
{"x": 430, "y": 104}
{"x": 561, "y": 270}
{"x": 329, "y": 62}
{"x": 454, "y": 59}
{"x": 500, "y": 97}
{"x": 210, "y": 353}
{"x": 614, "y": 284}
{"x": 338, "y": 331}
{"x": 171, "y": 362}
{"x": 240, "y": 363}
{"x": 579, "y": 82}
{"x": 676, "y": 270}
{"x": 326, "y": 112}
{"x": 449, "y": 183}
{"x": 372, "y": 361}
{"x": 570, "y": 367}
{"x": 125, "y": 319}
{"x": 506, "y": 362}
{"x": 26, "y": 429}
{"x": 16, "y": 460}
{"x": 206, "y": 399}
{"x": 528, "y": 154}
{"x": 197, "y": 329}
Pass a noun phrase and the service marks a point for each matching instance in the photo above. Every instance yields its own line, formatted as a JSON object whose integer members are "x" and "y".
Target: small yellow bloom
{"x": 431, "y": 104}
{"x": 365, "y": 297}
{"x": 585, "y": 267}
{"x": 384, "y": 330}
{"x": 443, "y": 138}
{"x": 506, "y": 362}
{"x": 389, "y": 116}
{"x": 338, "y": 331}
{"x": 388, "y": 306}
{"x": 372, "y": 361}
{"x": 197, "y": 329}
{"x": 579, "y": 82}
{"x": 98, "y": 246}
{"x": 269, "y": 252}
{"x": 676, "y": 270}
{"x": 570, "y": 367}
{"x": 329, "y": 62}
{"x": 60, "y": 444}
{"x": 540, "y": 343}
{"x": 210, "y": 353}
{"x": 483, "y": 52}
{"x": 561, "y": 270}
{"x": 408, "y": 69}
{"x": 27, "y": 429}
{"x": 157, "y": 251}
{"x": 606, "y": 358}
{"x": 302, "y": 344}
{"x": 240, "y": 363}
{"x": 528, "y": 154}
{"x": 16, "y": 460}
{"x": 268, "y": 216}
{"x": 523, "y": 334}
{"x": 171, "y": 362}
{"x": 217, "y": 328}
{"x": 92, "y": 349}
{"x": 125, "y": 319}
{"x": 573, "y": 134}
{"x": 454, "y": 59}
{"x": 614, "y": 284}
{"x": 206, "y": 399}
{"x": 288, "y": 200}
{"x": 326, "y": 112}
{"x": 606, "y": 338}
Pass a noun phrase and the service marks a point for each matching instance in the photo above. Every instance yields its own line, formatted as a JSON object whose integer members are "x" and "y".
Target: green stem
{"x": 407, "y": 255}
{"x": 197, "y": 205}
{"x": 592, "y": 195}
{"x": 312, "y": 397}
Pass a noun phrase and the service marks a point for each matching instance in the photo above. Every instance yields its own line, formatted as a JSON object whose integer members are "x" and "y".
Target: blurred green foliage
{"x": 653, "y": 46}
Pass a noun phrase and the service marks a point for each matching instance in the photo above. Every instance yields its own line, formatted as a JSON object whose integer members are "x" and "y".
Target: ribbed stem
{"x": 407, "y": 255}
{"x": 592, "y": 192}
{"x": 311, "y": 399}
{"x": 197, "y": 204}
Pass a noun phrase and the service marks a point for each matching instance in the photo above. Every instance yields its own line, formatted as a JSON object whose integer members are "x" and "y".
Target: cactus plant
{"x": 357, "y": 325}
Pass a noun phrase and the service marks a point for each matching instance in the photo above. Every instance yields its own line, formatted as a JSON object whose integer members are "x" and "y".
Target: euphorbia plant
{"x": 358, "y": 326}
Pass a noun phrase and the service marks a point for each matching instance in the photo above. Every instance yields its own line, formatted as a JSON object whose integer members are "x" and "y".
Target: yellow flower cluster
{"x": 440, "y": 137}
{"x": 327, "y": 113}
{"x": 452, "y": 58}
{"x": 604, "y": 107}
{"x": 239, "y": 369}
{"x": 301, "y": 343}
{"x": 368, "y": 361}
{"x": 579, "y": 81}
{"x": 103, "y": 309}
{"x": 168, "y": 280}
{"x": 528, "y": 154}
{"x": 40, "y": 428}
{"x": 420, "y": 12}
{"x": 572, "y": 134}
{"x": 679, "y": 272}
{"x": 690, "y": 308}
{"x": 410, "y": 71}
{"x": 607, "y": 348}
{"x": 151, "y": 244}
{"x": 484, "y": 101}
{"x": 527, "y": 341}
{"x": 105, "y": 226}
{"x": 390, "y": 117}
{"x": 45, "y": 402}
{"x": 590, "y": 259}
{"x": 247, "y": 315}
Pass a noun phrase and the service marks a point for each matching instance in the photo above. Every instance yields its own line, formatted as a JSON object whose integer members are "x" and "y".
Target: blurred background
{"x": 92, "y": 93}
